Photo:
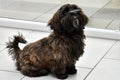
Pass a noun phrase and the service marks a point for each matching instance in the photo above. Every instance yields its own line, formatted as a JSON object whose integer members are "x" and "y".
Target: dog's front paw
{"x": 71, "y": 70}
{"x": 62, "y": 76}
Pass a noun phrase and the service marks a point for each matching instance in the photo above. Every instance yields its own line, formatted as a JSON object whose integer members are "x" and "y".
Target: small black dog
{"x": 58, "y": 52}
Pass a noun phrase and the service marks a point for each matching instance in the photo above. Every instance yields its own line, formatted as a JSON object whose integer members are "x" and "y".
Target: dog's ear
{"x": 55, "y": 24}
{"x": 56, "y": 27}
{"x": 85, "y": 20}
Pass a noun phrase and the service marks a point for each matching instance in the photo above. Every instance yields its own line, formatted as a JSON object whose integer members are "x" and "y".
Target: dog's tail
{"x": 12, "y": 45}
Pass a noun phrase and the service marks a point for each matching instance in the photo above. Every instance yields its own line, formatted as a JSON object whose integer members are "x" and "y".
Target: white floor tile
{"x": 94, "y": 51}
{"x": 106, "y": 70}
{"x": 2, "y": 47}
{"x": 79, "y": 76}
{"x": 8, "y": 32}
{"x": 34, "y": 36}
{"x": 10, "y": 75}
{"x": 6, "y": 62}
{"x": 114, "y": 52}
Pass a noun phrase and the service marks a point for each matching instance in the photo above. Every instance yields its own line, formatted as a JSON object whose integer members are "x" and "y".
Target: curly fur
{"x": 56, "y": 53}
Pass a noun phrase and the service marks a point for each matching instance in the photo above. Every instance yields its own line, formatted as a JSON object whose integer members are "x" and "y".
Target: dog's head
{"x": 68, "y": 18}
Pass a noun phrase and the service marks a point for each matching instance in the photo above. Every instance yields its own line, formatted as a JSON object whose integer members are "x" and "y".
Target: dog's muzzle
{"x": 76, "y": 23}
{"x": 75, "y": 20}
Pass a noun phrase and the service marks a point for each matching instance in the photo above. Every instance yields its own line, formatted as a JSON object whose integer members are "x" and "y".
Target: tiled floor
{"x": 100, "y": 12}
{"x": 101, "y": 60}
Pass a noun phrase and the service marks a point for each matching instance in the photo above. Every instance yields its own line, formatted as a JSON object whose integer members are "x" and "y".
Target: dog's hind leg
{"x": 18, "y": 66}
{"x": 59, "y": 71}
{"x": 33, "y": 72}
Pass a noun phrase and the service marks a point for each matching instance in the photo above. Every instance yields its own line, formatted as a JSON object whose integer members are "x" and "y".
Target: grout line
{"x": 109, "y": 24}
{"x": 119, "y": 26}
{"x": 9, "y": 71}
{"x": 83, "y": 67}
{"x": 22, "y": 78}
{"x": 101, "y": 8}
{"x": 99, "y": 61}
{"x": 112, "y": 59}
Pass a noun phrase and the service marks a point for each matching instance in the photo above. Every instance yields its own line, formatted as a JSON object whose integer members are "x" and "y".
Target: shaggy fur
{"x": 57, "y": 53}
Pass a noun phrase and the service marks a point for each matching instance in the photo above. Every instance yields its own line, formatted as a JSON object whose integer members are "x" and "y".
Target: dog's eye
{"x": 65, "y": 11}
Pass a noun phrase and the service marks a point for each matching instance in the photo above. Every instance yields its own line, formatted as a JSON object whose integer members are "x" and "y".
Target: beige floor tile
{"x": 26, "y": 10}
{"x": 48, "y": 15}
{"x": 89, "y": 3}
{"x": 114, "y": 4}
{"x": 115, "y": 25}
{"x": 99, "y": 23}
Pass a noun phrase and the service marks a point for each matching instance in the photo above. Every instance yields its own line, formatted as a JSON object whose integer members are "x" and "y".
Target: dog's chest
{"x": 65, "y": 44}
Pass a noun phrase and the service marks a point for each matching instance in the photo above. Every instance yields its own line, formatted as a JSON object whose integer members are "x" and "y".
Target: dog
{"x": 57, "y": 53}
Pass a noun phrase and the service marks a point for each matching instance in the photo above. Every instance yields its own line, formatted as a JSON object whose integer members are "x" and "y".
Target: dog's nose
{"x": 74, "y": 11}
